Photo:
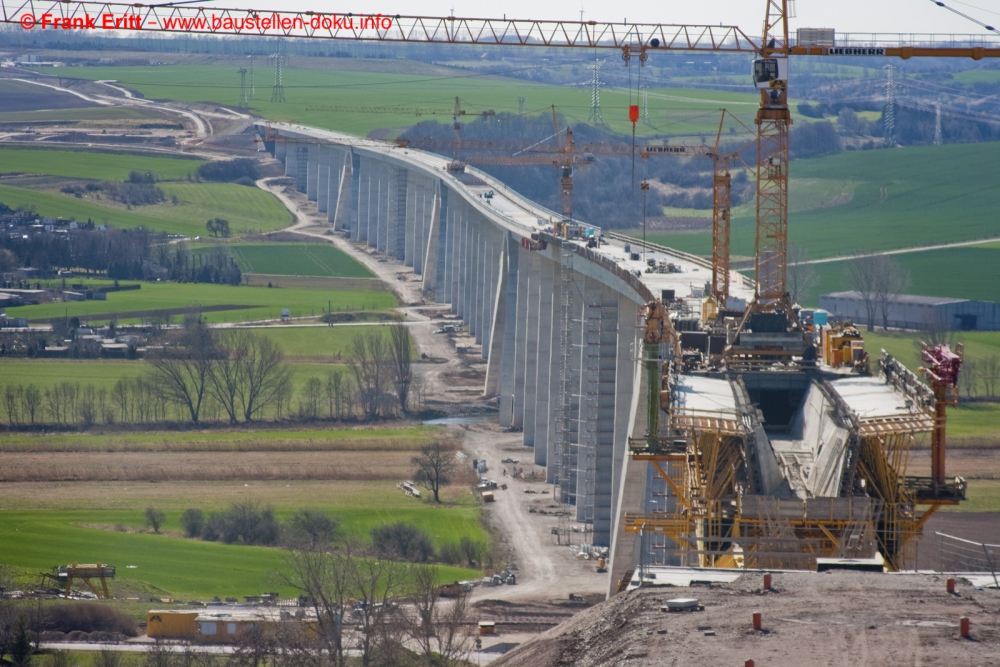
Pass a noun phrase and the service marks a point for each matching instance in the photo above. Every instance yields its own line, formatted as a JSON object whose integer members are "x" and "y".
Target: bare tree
{"x": 935, "y": 330}
{"x": 434, "y": 467}
{"x": 31, "y": 403}
{"x": 892, "y": 281}
{"x": 325, "y": 578}
{"x": 12, "y": 403}
{"x": 264, "y": 378}
{"x": 338, "y": 390}
{"x": 968, "y": 379}
{"x": 369, "y": 363}
{"x": 399, "y": 347}
{"x": 226, "y": 373}
{"x": 990, "y": 371}
{"x": 862, "y": 274}
{"x": 802, "y": 277}
{"x": 309, "y": 403}
{"x": 376, "y": 581}
{"x": 182, "y": 373}
{"x": 439, "y": 629}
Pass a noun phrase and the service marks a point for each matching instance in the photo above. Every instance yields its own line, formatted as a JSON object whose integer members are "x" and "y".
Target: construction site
{"x": 744, "y": 467}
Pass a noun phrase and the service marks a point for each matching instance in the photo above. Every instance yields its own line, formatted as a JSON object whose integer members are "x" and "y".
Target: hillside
{"x": 879, "y": 200}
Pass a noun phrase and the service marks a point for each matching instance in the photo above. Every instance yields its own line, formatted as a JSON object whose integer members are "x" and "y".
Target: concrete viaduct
{"x": 557, "y": 320}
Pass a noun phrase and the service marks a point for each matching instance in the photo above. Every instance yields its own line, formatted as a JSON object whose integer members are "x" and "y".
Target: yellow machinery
{"x": 87, "y": 572}
{"x": 842, "y": 346}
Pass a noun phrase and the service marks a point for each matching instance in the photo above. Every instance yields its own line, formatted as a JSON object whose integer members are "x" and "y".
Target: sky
{"x": 867, "y": 16}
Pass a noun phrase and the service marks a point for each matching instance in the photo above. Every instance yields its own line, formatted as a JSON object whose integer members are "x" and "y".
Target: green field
{"x": 962, "y": 273}
{"x": 247, "y": 209}
{"x": 45, "y": 523}
{"x": 254, "y": 302}
{"x": 311, "y": 342}
{"x": 897, "y": 198}
{"x": 193, "y": 569}
{"x": 300, "y": 259}
{"x": 308, "y": 91}
{"x": 91, "y": 164}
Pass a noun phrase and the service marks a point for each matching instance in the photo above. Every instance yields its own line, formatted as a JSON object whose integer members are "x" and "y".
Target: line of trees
{"x": 201, "y": 375}
{"x": 121, "y": 254}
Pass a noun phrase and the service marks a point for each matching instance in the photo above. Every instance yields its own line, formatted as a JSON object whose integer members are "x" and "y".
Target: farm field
{"x": 92, "y": 116}
{"x": 332, "y": 343}
{"x": 883, "y": 200}
{"x": 962, "y": 273}
{"x": 104, "y": 373}
{"x": 93, "y": 164}
{"x": 18, "y": 96}
{"x": 250, "y": 303}
{"x": 300, "y": 259}
{"x": 247, "y": 209}
{"x": 44, "y": 523}
{"x": 309, "y": 94}
{"x": 388, "y": 437}
{"x": 179, "y": 567}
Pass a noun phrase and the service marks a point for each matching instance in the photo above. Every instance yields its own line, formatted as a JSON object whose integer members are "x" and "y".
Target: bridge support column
{"x": 365, "y": 198}
{"x": 312, "y": 171}
{"x": 378, "y": 235}
{"x": 291, "y": 160}
{"x": 547, "y": 328}
{"x": 323, "y": 179}
{"x": 535, "y": 327}
{"x": 301, "y": 168}
{"x": 436, "y": 236}
{"x": 605, "y": 416}
{"x": 280, "y": 150}
{"x": 395, "y": 219}
{"x": 504, "y": 336}
{"x": 520, "y": 336}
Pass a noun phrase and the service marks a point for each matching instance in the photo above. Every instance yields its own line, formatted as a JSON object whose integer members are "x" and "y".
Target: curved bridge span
{"x": 557, "y": 320}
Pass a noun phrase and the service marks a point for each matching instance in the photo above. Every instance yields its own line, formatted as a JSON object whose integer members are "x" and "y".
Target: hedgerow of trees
{"x": 197, "y": 374}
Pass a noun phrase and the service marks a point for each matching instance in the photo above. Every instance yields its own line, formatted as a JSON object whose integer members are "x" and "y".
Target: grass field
{"x": 45, "y": 523}
{"x": 308, "y": 91}
{"x": 891, "y": 199}
{"x": 104, "y": 373}
{"x": 247, "y": 209}
{"x": 963, "y": 273}
{"x": 184, "y": 568}
{"x": 333, "y": 343}
{"x": 313, "y": 259}
{"x": 98, "y": 165}
{"x": 254, "y": 302}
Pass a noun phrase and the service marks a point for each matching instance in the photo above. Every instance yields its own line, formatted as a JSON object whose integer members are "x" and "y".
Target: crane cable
{"x": 965, "y": 16}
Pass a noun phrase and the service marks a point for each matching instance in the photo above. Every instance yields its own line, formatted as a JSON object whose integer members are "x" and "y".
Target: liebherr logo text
{"x": 845, "y": 51}
{"x": 666, "y": 149}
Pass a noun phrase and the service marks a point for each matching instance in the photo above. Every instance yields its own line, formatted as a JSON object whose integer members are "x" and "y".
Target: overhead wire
{"x": 964, "y": 16}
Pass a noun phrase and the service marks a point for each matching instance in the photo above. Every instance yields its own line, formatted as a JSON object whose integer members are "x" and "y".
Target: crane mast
{"x": 773, "y": 120}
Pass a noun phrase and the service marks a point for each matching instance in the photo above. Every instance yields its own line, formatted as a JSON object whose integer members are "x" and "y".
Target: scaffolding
{"x": 714, "y": 513}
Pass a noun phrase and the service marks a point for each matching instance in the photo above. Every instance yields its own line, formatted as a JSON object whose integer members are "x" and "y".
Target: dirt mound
{"x": 843, "y": 618}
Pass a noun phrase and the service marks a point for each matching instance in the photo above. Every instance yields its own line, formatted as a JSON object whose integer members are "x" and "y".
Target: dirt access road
{"x": 546, "y": 572}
